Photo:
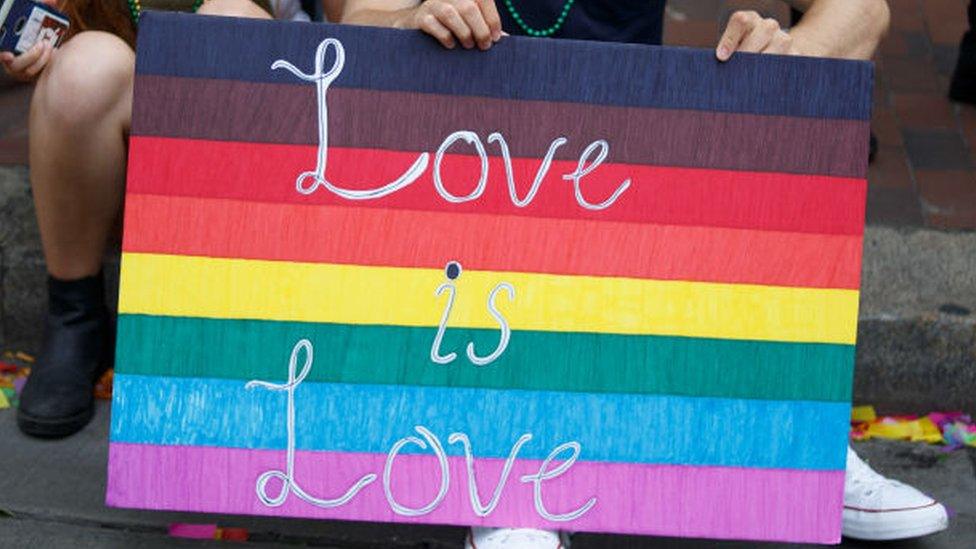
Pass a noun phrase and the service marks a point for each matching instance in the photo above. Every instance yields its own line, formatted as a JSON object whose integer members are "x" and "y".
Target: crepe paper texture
{"x": 953, "y": 429}
{"x": 193, "y": 531}
{"x": 558, "y": 284}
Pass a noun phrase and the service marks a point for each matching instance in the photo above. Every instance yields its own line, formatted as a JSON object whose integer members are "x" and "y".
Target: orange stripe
{"x": 408, "y": 238}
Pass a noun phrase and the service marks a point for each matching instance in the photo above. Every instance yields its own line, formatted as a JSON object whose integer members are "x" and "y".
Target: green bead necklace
{"x": 534, "y": 32}
{"x": 135, "y": 8}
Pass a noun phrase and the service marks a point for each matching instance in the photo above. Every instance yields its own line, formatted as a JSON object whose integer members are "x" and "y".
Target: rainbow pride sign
{"x": 558, "y": 284}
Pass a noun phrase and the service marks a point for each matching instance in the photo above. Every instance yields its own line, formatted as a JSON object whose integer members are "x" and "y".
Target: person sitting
{"x": 78, "y": 130}
{"x": 874, "y": 507}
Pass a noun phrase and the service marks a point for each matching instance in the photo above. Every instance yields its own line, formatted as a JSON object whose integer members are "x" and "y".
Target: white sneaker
{"x": 877, "y": 508}
{"x": 515, "y": 538}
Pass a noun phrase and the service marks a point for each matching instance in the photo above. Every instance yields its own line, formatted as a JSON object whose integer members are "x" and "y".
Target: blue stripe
{"x": 370, "y": 418}
{"x": 515, "y": 68}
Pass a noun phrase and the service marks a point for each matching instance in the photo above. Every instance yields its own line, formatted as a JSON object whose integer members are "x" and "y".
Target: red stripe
{"x": 409, "y": 238}
{"x": 670, "y": 196}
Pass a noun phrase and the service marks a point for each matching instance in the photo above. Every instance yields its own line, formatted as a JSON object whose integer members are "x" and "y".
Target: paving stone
{"x": 893, "y": 206}
{"x": 967, "y": 123}
{"x": 890, "y": 169}
{"x": 895, "y": 43}
{"x": 946, "y": 20}
{"x": 924, "y": 111}
{"x": 911, "y": 74}
{"x": 948, "y": 197}
{"x": 945, "y": 56}
{"x": 917, "y": 44}
{"x": 936, "y": 150}
{"x": 906, "y": 15}
{"x": 884, "y": 124}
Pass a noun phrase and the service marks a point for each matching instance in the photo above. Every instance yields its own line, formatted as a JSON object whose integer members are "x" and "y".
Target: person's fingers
{"x": 739, "y": 25}
{"x": 782, "y": 43}
{"x": 490, "y": 12}
{"x": 450, "y": 18}
{"x": 472, "y": 15}
{"x": 433, "y": 27}
{"x": 35, "y": 69}
{"x": 28, "y": 58}
{"x": 759, "y": 37}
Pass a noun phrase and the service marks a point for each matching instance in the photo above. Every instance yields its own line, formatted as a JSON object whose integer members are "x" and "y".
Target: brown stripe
{"x": 229, "y": 110}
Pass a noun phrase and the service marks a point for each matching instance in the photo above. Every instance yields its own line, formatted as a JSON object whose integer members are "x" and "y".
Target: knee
{"x": 233, "y": 8}
{"x": 88, "y": 77}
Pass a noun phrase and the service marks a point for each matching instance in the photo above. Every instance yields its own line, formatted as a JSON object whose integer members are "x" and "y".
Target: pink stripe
{"x": 707, "y": 502}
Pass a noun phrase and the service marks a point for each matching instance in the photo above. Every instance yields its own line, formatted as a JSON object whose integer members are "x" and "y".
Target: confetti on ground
{"x": 103, "y": 389}
{"x": 954, "y": 429}
{"x": 193, "y": 531}
{"x": 232, "y": 534}
{"x": 15, "y": 368}
{"x": 206, "y": 531}
{"x": 12, "y": 378}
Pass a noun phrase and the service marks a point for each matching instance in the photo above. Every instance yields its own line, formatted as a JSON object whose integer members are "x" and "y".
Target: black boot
{"x": 58, "y": 399}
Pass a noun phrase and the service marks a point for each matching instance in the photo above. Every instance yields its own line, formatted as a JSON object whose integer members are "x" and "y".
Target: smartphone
{"x": 23, "y": 23}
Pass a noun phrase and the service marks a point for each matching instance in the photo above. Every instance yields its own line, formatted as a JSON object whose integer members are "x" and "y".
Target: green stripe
{"x": 545, "y": 361}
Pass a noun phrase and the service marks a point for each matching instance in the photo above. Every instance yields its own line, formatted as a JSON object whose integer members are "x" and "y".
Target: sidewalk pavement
{"x": 51, "y": 496}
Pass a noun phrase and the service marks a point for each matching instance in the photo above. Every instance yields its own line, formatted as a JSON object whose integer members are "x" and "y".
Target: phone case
{"x": 24, "y": 22}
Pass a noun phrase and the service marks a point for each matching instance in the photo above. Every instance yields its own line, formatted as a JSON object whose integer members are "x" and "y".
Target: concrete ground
{"x": 51, "y": 496}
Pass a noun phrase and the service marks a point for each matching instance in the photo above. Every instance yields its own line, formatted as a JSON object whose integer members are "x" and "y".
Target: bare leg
{"x": 79, "y": 119}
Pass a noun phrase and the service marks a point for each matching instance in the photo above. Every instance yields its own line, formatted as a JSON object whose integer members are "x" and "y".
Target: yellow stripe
{"x": 350, "y": 294}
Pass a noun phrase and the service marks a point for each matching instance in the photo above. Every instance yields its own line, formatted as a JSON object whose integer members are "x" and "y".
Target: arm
{"x": 379, "y": 13}
{"x": 469, "y": 22}
{"x": 849, "y": 29}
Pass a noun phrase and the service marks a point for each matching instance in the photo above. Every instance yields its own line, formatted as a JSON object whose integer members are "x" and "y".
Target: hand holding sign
{"x": 27, "y": 66}
{"x": 470, "y": 22}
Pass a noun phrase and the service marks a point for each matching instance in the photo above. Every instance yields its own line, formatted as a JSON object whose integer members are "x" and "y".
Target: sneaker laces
{"x": 865, "y": 480}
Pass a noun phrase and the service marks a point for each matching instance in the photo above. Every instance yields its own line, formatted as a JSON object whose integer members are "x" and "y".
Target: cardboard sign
{"x": 558, "y": 284}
